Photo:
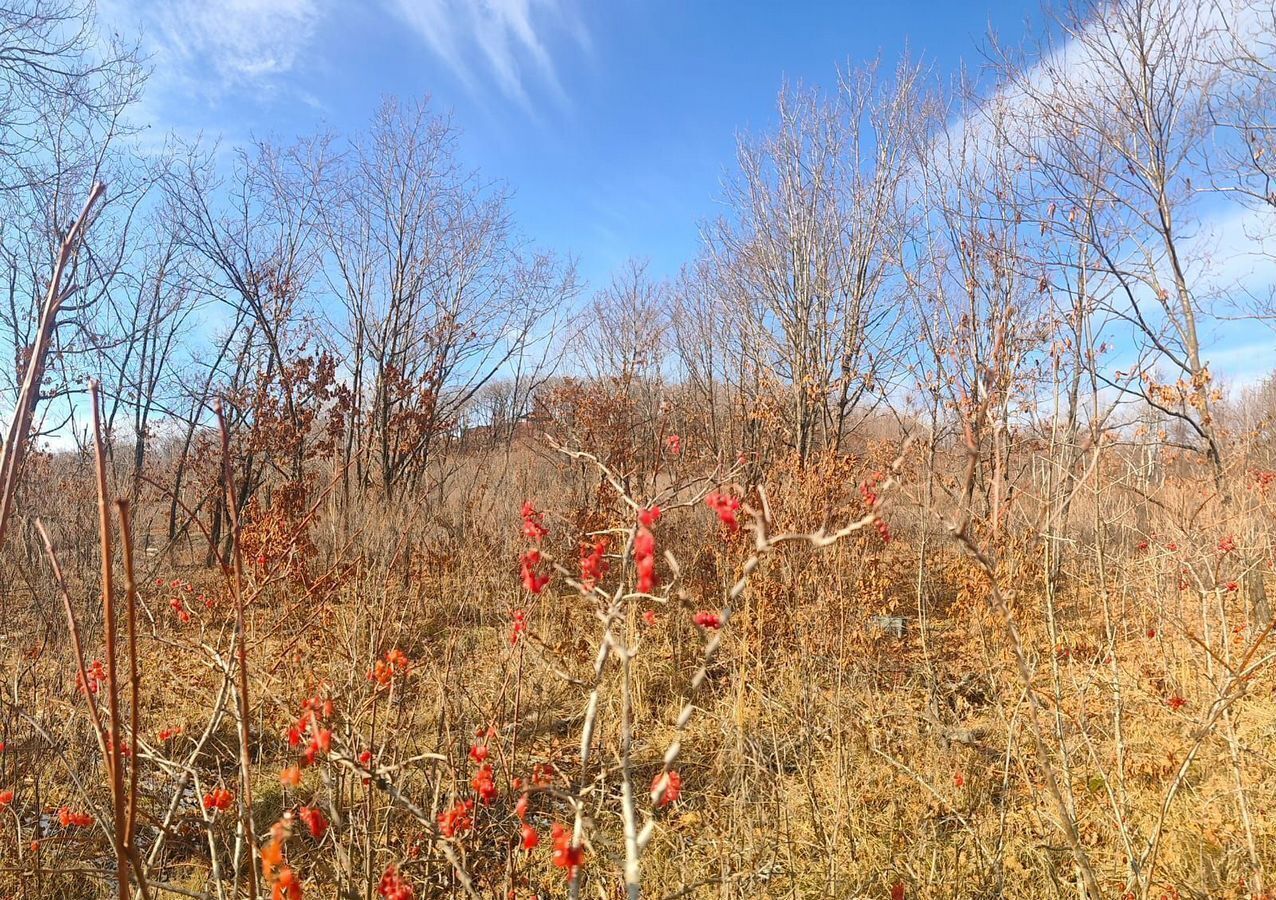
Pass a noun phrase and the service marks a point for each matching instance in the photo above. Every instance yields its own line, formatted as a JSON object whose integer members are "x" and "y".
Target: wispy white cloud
{"x": 1243, "y": 366}
{"x": 503, "y": 41}
{"x": 1234, "y": 249}
{"x": 210, "y": 47}
{"x": 1228, "y": 248}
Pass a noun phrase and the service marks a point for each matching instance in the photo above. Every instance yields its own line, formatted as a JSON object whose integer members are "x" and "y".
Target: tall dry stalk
{"x": 15, "y": 444}
{"x": 114, "y": 760}
{"x": 241, "y": 655}
{"x": 110, "y": 742}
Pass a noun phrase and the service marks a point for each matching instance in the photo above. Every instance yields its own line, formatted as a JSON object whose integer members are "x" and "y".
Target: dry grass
{"x": 825, "y": 757}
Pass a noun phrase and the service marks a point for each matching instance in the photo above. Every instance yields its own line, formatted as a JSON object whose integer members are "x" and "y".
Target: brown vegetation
{"x": 904, "y": 546}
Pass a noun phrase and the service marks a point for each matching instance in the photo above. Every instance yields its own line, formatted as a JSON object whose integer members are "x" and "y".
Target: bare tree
{"x": 441, "y": 295}
{"x": 812, "y": 237}
{"x": 1127, "y": 104}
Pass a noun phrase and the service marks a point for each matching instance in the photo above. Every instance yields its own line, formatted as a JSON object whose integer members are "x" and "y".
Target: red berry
{"x": 666, "y": 787}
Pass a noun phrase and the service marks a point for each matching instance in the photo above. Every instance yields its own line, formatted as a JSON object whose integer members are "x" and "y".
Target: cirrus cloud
{"x": 238, "y": 42}
{"x": 506, "y": 41}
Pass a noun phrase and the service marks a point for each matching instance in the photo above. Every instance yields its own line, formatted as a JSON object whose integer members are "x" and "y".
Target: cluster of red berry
{"x": 666, "y": 787}
{"x": 532, "y": 580}
{"x": 314, "y": 819}
{"x": 567, "y": 855}
{"x": 95, "y": 677}
{"x": 542, "y": 776}
{"x": 534, "y": 530}
{"x": 285, "y": 885}
{"x": 529, "y": 839}
{"x": 520, "y": 626}
{"x": 314, "y": 710}
{"x": 457, "y": 819}
{"x": 484, "y": 780}
{"x": 533, "y": 523}
{"x": 179, "y": 609}
{"x": 873, "y": 500}
{"x": 708, "y": 619}
{"x": 593, "y": 564}
{"x": 70, "y": 818}
{"x": 175, "y": 602}
{"x": 484, "y": 783}
{"x": 394, "y": 887}
{"x": 645, "y": 549}
{"x": 219, "y": 799}
{"x": 396, "y": 662}
{"x": 727, "y": 508}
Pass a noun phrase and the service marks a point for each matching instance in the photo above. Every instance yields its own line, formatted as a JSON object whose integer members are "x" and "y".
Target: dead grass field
{"x": 825, "y": 756}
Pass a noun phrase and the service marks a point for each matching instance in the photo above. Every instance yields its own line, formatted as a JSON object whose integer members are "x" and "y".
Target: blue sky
{"x": 613, "y": 122}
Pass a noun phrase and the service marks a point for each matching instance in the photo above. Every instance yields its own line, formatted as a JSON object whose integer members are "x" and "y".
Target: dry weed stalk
{"x": 19, "y": 434}
{"x": 246, "y": 830}
{"x": 129, "y": 864}
{"x": 613, "y": 643}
